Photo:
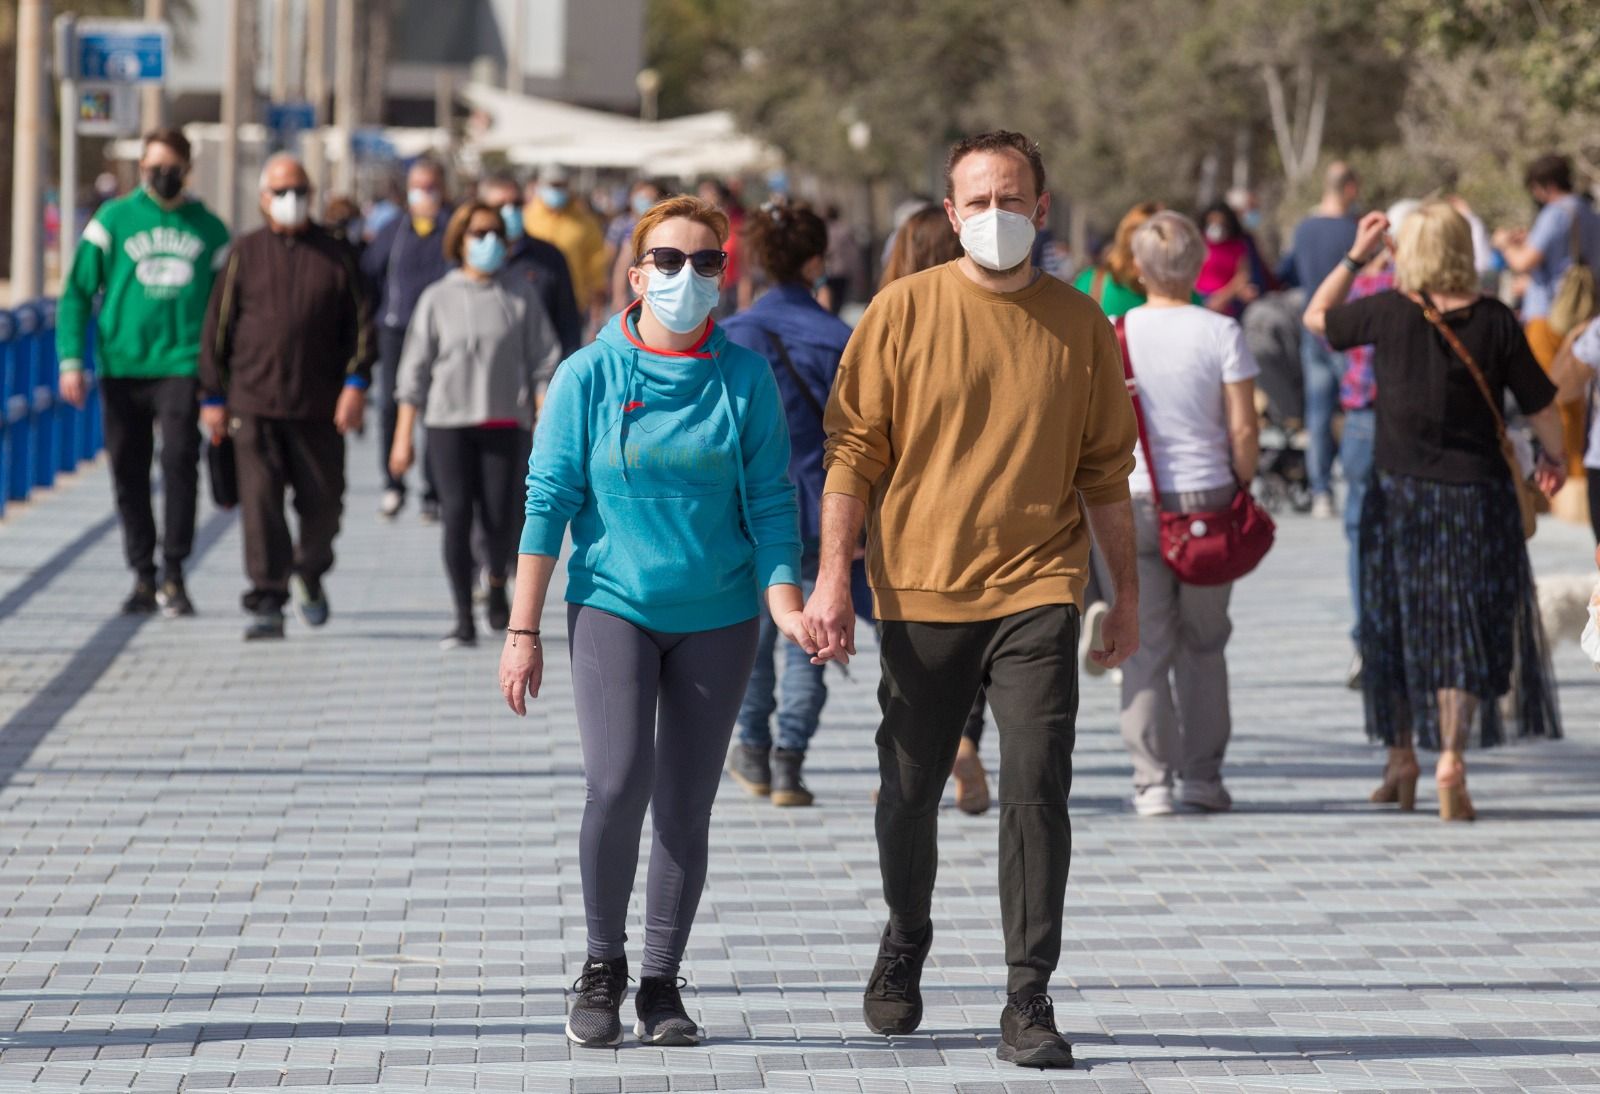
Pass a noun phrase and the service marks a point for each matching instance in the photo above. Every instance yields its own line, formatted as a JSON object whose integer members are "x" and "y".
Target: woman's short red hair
{"x": 681, "y": 206}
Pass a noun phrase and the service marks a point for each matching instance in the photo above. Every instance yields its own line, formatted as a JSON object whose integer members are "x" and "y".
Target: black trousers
{"x": 1027, "y": 665}
{"x": 480, "y": 475}
{"x": 1592, "y": 481}
{"x": 133, "y": 410}
{"x": 276, "y": 455}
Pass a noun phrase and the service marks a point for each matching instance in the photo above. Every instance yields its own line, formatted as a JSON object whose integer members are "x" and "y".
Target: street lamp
{"x": 649, "y": 84}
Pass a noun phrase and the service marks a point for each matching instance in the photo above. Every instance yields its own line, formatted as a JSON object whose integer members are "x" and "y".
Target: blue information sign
{"x": 122, "y": 51}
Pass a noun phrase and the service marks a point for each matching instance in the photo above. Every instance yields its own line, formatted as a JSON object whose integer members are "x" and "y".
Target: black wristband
{"x": 1349, "y": 263}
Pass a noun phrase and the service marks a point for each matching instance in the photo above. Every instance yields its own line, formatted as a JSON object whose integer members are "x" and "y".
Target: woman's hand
{"x": 1549, "y": 474}
{"x": 793, "y": 625}
{"x": 1369, "y": 236}
{"x": 521, "y": 671}
{"x": 402, "y": 455}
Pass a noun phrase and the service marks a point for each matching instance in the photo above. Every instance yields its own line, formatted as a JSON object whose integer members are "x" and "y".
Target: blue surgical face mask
{"x": 511, "y": 216}
{"x": 642, "y": 203}
{"x": 681, "y": 302}
{"x": 486, "y": 253}
{"x": 1252, "y": 220}
{"x": 554, "y": 197}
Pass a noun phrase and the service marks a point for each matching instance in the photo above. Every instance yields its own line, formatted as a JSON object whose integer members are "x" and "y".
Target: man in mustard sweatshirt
{"x": 154, "y": 254}
{"x": 981, "y": 416}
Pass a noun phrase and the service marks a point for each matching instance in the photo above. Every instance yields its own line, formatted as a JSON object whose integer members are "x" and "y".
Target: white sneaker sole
{"x": 675, "y": 1037}
{"x": 581, "y": 1043}
{"x": 1093, "y": 638}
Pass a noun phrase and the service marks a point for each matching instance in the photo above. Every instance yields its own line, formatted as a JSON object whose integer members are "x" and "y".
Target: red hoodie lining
{"x": 692, "y": 351}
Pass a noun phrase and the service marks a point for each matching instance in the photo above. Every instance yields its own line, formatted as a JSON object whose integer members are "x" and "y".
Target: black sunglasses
{"x": 481, "y": 232}
{"x": 299, "y": 191}
{"x": 669, "y": 260}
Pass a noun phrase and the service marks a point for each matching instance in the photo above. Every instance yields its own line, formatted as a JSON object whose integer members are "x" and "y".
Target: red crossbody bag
{"x": 1211, "y": 548}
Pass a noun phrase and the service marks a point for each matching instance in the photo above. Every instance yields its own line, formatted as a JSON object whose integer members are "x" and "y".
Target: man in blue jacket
{"x": 404, "y": 258}
{"x": 803, "y": 343}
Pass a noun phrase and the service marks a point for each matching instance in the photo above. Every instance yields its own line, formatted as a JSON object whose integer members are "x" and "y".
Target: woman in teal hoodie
{"x": 664, "y": 446}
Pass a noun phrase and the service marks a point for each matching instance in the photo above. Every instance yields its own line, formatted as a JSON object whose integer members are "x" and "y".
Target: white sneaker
{"x": 1154, "y": 801}
{"x": 1092, "y": 639}
{"x": 391, "y": 503}
{"x": 1206, "y": 797}
{"x": 1352, "y": 675}
{"x": 1322, "y": 507}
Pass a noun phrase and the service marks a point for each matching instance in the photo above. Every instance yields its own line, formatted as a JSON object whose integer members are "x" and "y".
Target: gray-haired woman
{"x": 1195, "y": 385}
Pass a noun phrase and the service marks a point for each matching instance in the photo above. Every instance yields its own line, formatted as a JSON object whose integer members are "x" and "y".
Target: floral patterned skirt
{"x": 1447, "y": 602}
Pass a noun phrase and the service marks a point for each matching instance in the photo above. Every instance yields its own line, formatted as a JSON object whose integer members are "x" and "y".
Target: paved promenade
{"x": 339, "y": 862}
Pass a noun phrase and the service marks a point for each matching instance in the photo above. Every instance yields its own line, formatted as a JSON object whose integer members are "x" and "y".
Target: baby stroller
{"x": 1272, "y": 331}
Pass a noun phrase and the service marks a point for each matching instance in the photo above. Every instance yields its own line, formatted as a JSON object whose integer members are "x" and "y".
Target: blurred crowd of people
{"x": 999, "y": 467}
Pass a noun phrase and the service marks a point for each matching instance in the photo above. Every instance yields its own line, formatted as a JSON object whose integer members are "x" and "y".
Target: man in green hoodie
{"x": 154, "y": 254}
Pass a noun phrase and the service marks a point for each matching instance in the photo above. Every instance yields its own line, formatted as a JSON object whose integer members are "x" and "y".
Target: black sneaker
{"x": 594, "y": 1021}
{"x": 497, "y": 608}
{"x": 662, "y": 1019}
{"x": 893, "y": 1000}
{"x": 428, "y": 511}
{"x": 788, "y": 789}
{"x": 1028, "y": 1036}
{"x": 310, "y": 601}
{"x": 174, "y": 598}
{"x": 464, "y": 637}
{"x": 751, "y": 768}
{"x": 142, "y": 601}
{"x": 264, "y": 625}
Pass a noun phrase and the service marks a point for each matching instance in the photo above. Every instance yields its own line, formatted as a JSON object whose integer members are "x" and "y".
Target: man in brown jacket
{"x": 284, "y": 365}
{"x": 980, "y": 413}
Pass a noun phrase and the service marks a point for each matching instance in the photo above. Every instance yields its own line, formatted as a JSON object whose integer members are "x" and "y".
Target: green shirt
{"x": 1117, "y": 300}
{"x": 155, "y": 266}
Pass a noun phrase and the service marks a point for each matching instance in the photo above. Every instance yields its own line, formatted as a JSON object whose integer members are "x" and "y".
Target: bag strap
{"x": 1575, "y": 234}
{"x": 1138, "y": 410}
{"x": 1431, "y": 314}
{"x": 800, "y": 381}
{"x": 1097, "y": 285}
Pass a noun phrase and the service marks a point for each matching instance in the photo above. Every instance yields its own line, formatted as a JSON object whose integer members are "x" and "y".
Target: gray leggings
{"x": 655, "y": 713}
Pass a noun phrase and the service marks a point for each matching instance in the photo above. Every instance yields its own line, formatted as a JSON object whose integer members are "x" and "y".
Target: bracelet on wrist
{"x": 1351, "y": 263}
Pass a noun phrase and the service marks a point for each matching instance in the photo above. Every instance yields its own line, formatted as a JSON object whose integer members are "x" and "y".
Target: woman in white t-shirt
{"x": 1195, "y": 381}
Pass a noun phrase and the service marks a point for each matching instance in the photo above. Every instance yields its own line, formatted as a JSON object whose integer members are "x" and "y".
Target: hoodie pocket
{"x": 671, "y": 550}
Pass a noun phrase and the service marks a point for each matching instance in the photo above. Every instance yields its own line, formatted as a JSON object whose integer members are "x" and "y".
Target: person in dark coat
{"x": 535, "y": 263}
{"x": 284, "y": 366}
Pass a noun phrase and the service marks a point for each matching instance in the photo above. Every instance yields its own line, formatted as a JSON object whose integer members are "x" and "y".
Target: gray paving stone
{"x": 336, "y": 863}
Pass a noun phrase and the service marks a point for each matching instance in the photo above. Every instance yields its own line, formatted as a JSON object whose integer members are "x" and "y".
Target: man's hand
{"x": 75, "y": 388}
{"x": 215, "y": 421}
{"x": 351, "y": 411}
{"x": 1120, "y": 633}
{"x": 830, "y": 620}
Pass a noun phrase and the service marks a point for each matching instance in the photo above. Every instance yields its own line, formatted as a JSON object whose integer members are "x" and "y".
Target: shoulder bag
{"x": 1526, "y": 491}
{"x": 1211, "y": 548}
{"x": 221, "y": 469}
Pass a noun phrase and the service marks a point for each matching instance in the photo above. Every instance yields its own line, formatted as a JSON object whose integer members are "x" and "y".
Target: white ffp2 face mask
{"x": 998, "y": 240}
{"x": 289, "y": 209}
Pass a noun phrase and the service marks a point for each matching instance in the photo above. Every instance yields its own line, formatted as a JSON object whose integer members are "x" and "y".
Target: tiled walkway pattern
{"x": 338, "y": 862}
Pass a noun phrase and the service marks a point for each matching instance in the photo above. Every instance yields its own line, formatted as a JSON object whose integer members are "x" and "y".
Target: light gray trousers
{"x": 655, "y": 713}
{"x": 1175, "y": 716}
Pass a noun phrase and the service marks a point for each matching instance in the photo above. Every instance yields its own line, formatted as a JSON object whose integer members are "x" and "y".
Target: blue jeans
{"x": 1355, "y": 453}
{"x": 1322, "y": 368}
{"x": 804, "y": 691}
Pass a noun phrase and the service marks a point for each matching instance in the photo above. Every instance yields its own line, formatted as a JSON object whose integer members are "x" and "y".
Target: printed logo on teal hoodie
{"x": 673, "y": 471}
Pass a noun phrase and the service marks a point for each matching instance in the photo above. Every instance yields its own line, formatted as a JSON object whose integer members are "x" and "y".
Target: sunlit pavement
{"x": 338, "y": 861}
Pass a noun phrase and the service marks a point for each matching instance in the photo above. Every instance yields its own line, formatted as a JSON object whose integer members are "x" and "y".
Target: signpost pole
{"x": 27, "y": 225}
{"x": 153, "y": 112}
{"x": 67, "y": 71}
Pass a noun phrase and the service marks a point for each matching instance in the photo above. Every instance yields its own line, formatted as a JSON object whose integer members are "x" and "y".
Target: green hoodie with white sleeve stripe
{"x": 155, "y": 265}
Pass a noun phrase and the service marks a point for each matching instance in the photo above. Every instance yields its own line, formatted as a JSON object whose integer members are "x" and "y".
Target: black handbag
{"x": 223, "y": 472}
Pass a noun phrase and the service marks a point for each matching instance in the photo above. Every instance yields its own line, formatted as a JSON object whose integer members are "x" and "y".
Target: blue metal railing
{"x": 41, "y": 435}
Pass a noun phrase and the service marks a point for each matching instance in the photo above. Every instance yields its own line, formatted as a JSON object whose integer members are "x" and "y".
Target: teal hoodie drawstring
{"x": 745, "y": 525}
{"x": 622, "y": 422}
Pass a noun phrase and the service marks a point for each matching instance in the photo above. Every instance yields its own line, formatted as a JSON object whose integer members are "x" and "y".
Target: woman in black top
{"x": 1447, "y": 602}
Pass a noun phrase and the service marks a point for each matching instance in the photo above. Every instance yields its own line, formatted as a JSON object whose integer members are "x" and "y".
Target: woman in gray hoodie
{"x": 477, "y": 355}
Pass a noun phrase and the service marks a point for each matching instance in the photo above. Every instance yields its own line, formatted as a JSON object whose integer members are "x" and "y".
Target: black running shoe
{"x": 174, "y": 598}
{"x": 496, "y": 608}
{"x": 1028, "y": 1036}
{"x": 594, "y": 1021}
{"x": 662, "y": 1019}
{"x": 893, "y": 1000}
{"x": 310, "y": 602}
{"x": 142, "y": 601}
{"x": 264, "y": 626}
{"x": 464, "y": 637}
